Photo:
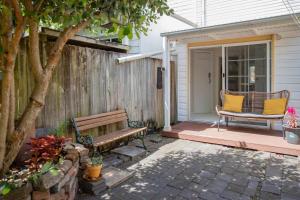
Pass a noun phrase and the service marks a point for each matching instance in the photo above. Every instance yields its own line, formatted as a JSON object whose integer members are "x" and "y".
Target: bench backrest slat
{"x": 78, "y": 119}
{"x": 94, "y": 121}
{"x": 102, "y": 123}
{"x": 100, "y": 119}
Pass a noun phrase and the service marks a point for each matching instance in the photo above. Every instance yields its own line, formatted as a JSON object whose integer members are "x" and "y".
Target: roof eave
{"x": 282, "y": 18}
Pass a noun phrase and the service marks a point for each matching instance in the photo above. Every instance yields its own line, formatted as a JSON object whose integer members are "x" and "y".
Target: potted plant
{"x": 93, "y": 170}
{"x": 291, "y": 128}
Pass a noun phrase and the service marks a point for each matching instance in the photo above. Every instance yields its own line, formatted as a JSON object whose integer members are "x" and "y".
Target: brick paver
{"x": 180, "y": 169}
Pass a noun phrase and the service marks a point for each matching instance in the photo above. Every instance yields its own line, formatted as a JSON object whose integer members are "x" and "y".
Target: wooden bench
{"x": 253, "y": 106}
{"x": 133, "y": 128}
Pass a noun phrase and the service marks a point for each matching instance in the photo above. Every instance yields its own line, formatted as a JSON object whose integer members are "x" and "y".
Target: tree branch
{"x": 34, "y": 49}
{"x": 17, "y": 10}
{"x": 64, "y": 36}
{"x": 38, "y": 5}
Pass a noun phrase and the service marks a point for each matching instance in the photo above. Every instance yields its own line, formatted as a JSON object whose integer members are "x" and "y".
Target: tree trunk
{"x": 38, "y": 95}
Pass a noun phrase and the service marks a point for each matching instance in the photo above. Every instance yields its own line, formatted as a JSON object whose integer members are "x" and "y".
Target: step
{"x": 132, "y": 152}
{"x": 114, "y": 176}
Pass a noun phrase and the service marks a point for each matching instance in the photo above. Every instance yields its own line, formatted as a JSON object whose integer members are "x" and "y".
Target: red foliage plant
{"x": 43, "y": 149}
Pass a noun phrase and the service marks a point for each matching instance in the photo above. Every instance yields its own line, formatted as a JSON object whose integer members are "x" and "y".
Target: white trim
{"x": 246, "y": 43}
{"x": 184, "y": 20}
{"x": 206, "y": 47}
{"x": 167, "y": 87}
{"x": 189, "y": 84}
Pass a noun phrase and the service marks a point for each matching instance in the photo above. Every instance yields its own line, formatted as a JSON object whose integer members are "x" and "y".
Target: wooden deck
{"x": 248, "y": 138}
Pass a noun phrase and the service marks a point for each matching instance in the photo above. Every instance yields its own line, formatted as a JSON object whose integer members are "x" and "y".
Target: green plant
{"x": 97, "y": 160}
{"x": 61, "y": 129}
{"x": 47, "y": 167}
{"x": 45, "y": 149}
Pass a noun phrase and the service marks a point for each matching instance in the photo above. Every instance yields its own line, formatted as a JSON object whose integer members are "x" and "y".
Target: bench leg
{"x": 283, "y": 131}
{"x": 226, "y": 119}
{"x": 141, "y": 137}
{"x": 219, "y": 123}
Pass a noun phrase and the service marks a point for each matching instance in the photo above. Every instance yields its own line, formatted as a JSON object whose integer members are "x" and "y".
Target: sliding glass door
{"x": 247, "y": 68}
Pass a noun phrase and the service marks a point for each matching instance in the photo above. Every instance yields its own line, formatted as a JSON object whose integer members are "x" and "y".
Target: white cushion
{"x": 251, "y": 115}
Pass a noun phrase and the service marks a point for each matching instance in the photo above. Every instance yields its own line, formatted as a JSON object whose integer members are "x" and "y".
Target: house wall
{"x": 182, "y": 81}
{"x": 287, "y": 66}
{"x": 229, "y": 11}
{"x": 286, "y": 70}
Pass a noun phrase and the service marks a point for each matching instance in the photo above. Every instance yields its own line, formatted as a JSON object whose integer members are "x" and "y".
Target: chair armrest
{"x": 218, "y": 109}
{"x": 136, "y": 124}
{"x": 85, "y": 140}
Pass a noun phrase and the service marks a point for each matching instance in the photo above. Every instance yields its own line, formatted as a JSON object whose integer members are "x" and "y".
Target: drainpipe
{"x": 203, "y": 13}
{"x": 167, "y": 88}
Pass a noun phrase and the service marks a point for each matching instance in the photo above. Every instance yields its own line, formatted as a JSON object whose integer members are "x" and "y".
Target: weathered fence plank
{"x": 89, "y": 81}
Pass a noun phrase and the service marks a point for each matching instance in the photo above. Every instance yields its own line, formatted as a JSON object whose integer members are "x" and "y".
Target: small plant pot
{"x": 93, "y": 171}
{"x": 292, "y": 134}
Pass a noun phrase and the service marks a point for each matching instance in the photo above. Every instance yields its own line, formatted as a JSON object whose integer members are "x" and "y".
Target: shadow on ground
{"x": 191, "y": 170}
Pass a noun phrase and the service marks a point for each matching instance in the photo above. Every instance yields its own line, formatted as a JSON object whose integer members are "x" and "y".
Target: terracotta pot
{"x": 93, "y": 171}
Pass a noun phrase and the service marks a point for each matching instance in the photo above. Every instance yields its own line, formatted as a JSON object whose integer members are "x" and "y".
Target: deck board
{"x": 248, "y": 138}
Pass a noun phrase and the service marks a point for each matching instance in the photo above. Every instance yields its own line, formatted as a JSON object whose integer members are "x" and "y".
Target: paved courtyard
{"x": 180, "y": 169}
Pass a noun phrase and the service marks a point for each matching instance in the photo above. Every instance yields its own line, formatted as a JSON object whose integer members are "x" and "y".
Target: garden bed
{"x": 54, "y": 179}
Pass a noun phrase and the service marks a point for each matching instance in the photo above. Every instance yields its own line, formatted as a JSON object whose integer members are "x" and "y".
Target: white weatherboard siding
{"x": 287, "y": 72}
{"x": 182, "y": 89}
{"x": 229, "y": 11}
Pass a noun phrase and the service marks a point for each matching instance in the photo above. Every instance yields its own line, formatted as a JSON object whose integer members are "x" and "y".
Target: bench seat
{"x": 250, "y": 115}
{"x": 252, "y": 106}
{"x": 117, "y": 135}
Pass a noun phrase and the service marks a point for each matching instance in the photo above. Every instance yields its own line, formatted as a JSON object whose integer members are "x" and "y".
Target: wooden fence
{"x": 88, "y": 81}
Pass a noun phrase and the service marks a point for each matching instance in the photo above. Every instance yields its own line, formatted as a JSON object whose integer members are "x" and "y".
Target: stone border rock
{"x": 62, "y": 186}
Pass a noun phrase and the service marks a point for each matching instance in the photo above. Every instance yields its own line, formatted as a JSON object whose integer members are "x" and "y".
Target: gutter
{"x": 139, "y": 56}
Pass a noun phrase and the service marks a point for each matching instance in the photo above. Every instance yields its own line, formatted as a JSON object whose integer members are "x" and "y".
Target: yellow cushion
{"x": 233, "y": 103}
{"x": 274, "y": 106}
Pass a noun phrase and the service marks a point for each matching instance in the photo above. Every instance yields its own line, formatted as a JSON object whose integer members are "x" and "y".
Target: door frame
{"x": 222, "y": 46}
{"x": 212, "y": 65}
{"x": 189, "y": 93}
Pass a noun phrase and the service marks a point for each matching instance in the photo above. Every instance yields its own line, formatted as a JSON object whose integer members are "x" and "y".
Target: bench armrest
{"x": 218, "y": 109}
{"x": 136, "y": 124}
{"x": 85, "y": 140}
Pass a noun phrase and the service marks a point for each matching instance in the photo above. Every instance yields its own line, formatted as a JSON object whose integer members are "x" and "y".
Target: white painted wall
{"x": 229, "y": 11}
{"x": 287, "y": 71}
{"x": 182, "y": 82}
{"x": 153, "y": 41}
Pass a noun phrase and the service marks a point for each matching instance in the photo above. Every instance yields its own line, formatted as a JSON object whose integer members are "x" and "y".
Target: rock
{"x": 48, "y": 180}
{"x": 21, "y": 193}
{"x": 68, "y": 147}
{"x": 72, "y": 193}
{"x": 84, "y": 159}
{"x": 71, "y": 173}
{"x": 65, "y": 166}
{"x": 82, "y": 150}
{"x": 95, "y": 187}
{"x": 61, "y": 195}
{"x": 72, "y": 156}
{"x": 71, "y": 184}
{"x": 41, "y": 195}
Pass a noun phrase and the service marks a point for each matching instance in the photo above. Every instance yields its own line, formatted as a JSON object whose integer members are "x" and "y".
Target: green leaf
{"x": 5, "y": 189}
{"x": 54, "y": 171}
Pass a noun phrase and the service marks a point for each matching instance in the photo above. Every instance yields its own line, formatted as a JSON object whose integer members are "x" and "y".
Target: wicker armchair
{"x": 253, "y": 106}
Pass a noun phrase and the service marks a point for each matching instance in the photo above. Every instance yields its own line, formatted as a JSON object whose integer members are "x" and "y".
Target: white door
{"x": 201, "y": 82}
